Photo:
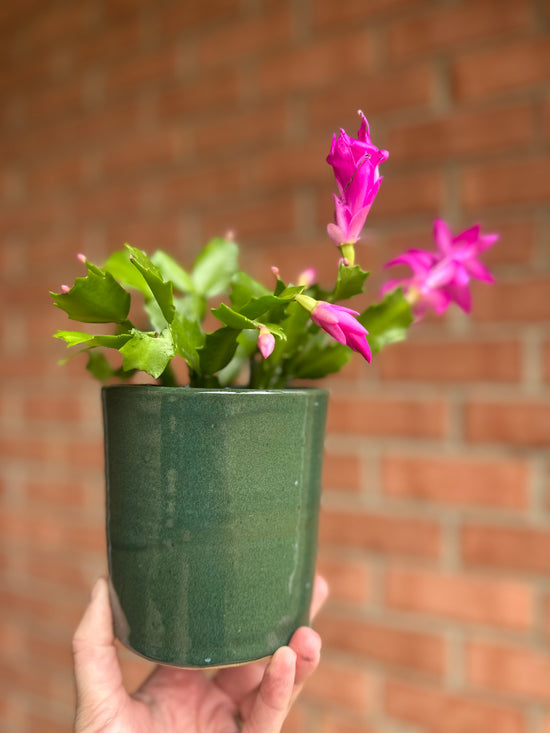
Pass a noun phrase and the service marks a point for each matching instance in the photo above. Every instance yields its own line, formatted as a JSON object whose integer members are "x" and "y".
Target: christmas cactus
{"x": 268, "y": 336}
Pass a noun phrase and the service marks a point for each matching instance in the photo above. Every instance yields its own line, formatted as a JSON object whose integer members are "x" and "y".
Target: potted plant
{"x": 213, "y": 487}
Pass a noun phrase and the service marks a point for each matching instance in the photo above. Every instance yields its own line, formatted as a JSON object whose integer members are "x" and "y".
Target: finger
{"x": 274, "y": 695}
{"x": 97, "y": 671}
{"x": 306, "y": 644}
{"x": 238, "y": 682}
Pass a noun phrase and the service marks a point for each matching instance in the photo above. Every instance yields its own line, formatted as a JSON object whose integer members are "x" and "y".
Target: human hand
{"x": 253, "y": 698}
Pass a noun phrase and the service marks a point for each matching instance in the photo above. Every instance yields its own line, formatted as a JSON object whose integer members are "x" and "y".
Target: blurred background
{"x": 164, "y": 123}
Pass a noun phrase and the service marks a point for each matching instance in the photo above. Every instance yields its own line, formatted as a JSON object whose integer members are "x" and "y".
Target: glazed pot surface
{"x": 212, "y": 515}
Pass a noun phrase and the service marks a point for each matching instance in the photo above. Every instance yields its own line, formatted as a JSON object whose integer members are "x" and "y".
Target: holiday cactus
{"x": 268, "y": 336}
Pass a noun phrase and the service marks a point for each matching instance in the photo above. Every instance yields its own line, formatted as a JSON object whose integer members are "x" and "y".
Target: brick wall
{"x": 163, "y": 123}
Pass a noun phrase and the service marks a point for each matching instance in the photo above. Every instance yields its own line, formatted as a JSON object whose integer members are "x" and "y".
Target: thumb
{"x": 273, "y": 698}
{"x": 99, "y": 688}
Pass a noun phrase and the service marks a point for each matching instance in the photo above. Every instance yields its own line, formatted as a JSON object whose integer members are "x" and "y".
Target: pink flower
{"x": 307, "y": 277}
{"x": 355, "y": 163}
{"x": 439, "y": 278}
{"x": 340, "y": 323}
{"x": 266, "y": 342}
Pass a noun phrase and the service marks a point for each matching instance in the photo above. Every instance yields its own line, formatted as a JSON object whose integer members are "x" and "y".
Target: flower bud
{"x": 266, "y": 342}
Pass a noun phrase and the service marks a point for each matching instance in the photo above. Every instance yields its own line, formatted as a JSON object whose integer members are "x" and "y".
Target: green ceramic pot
{"x": 212, "y": 515}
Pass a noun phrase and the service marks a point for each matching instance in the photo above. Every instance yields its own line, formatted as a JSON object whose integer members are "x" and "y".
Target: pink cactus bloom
{"x": 340, "y": 323}
{"x": 442, "y": 277}
{"x": 266, "y": 342}
{"x": 307, "y": 277}
{"x": 356, "y": 168}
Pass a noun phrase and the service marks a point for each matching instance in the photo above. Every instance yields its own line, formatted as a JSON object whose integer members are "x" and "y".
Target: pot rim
{"x": 186, "y": 389}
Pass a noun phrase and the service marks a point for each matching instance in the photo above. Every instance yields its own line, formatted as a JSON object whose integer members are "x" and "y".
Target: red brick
{"x": 39, "y": 720}
{"x": 348, "y": 580}
{"x": 114, "y": 41}
{"x": 257, "y": 127}
{"x": 292, "y": 165}
{"x": 55, "y": 26}
{"x": 317, "y": 65}
{"x": 464, "y": 133}
{"x": 71, "y": 133}
{"x": 440, "y": 712}
{"x": 342, "y": 472}
{"x": 255, "y": 36}
{"x": 31, "y": 449}
{"x": 62, "y": 173}
{"x": 118, "y": 120}
{"x": 546, "y": 116}
{"x": 517, "y": 301}
{"x": 418, "y": 652}
{"x": 60, "y": 569}
{"x": 514, "y": 423}
{"x": 453, "y": 361}
{"x": 524, "y": 181}
{"x": 458, "y": 480}
{"x": 516, "y": 242}
{"x": 55, "y": 651}
{"x": 296, "y": 720}
{"x": 137, "y": 72}
{"x": 62, "y": 199}
{"x": 31, "y": 680}
{"x": 52, "y": 532}
{"x": 13, "y": 713}
{"x": 519, "y": 672}
{"x": 202, "y": 185}
{"x": 546, "y": 358}
{"x": 60, "y": 613}
{"x": 509, "y": 66}
{"x": 408, "y": 193}
{"x": 344, "y": 685}
{"x": 294, "y": 256}
{"x": 51, "y": 492}
{"x": 185, "y": 16}
{"x": 48, "y": 407}
{"x": 141, "y": 151}
{"x": 146, "y": 233}
{"x": 110, "y": 202}
{"x": 524, "y": 548}
{"x": 395, "y": 90}
{"x": 406, "y": 536}
{"x": 333, "y": 724}
{"x": 28, "y": 76}
{"x": 66, "y": 99}
{"x": 24, "y": 222}
{"x": 271, "y": 216}
{"x": 377, "y": 416}
{"x": 14, "y": 638}
{"x": 84, "y": 452}
{"x": 327, "y": 14}
{"x": 547, "y": 614}
{"x": 454, "y": 25}
{"x": 219, "y": 90}
{"x": 461, "y": 597}
{"x": 13, "y": 15}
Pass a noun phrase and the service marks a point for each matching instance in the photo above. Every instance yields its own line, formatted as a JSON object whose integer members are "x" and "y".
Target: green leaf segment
{"x": 171, "y": 322}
